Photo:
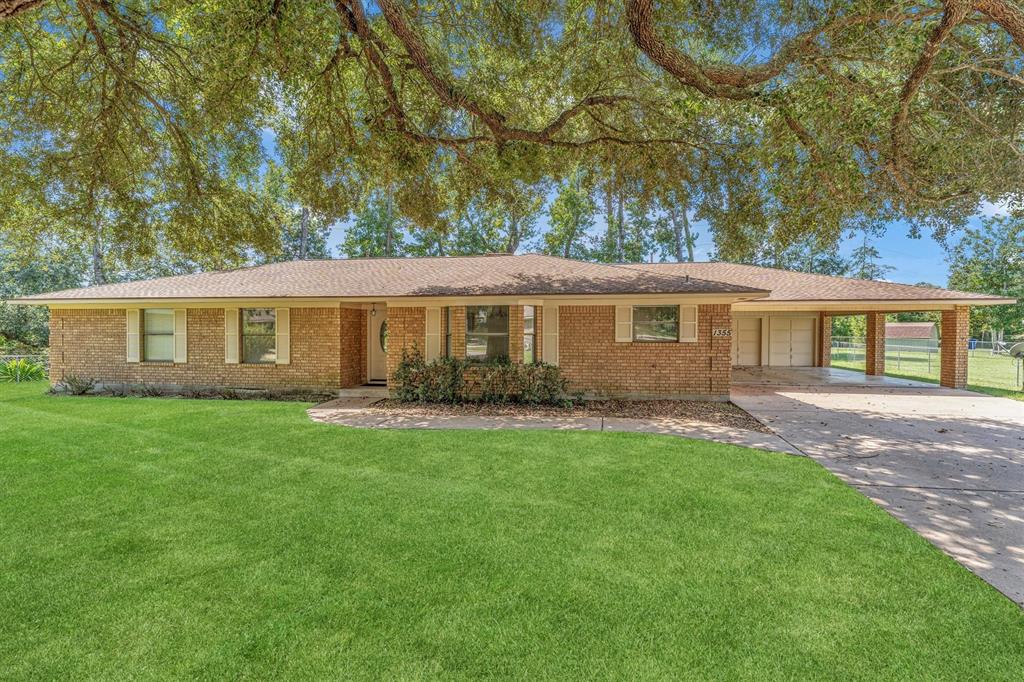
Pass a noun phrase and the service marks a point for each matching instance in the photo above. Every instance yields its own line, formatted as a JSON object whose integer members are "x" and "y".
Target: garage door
{"x": 792, "y": 342}
{"x": 746, "y": 341}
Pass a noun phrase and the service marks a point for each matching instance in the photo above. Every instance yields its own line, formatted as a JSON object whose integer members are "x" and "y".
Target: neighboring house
{"x": 911, "y": 335}
{"x": 638, "y": 330}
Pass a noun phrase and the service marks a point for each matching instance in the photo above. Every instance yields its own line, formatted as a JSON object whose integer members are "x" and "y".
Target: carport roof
{"x": 787, "y": 286}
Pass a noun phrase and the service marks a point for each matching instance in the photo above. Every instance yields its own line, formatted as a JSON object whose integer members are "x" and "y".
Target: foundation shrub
{"x": 448, "y": 380}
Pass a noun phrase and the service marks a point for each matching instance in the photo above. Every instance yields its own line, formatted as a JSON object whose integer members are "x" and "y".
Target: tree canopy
{"x": 141, "y": 123}
{"x": 990, "y": 259}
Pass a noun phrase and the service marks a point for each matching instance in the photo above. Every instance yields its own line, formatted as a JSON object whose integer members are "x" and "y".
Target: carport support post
{"x": 824, "y": 340}
{"x": 874, "y": 345}
{"x": 953, "y": 348}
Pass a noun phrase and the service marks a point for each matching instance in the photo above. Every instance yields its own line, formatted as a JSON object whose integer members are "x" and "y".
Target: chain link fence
{"x": 41, "y": 358}
{"x": 988, "y": 364}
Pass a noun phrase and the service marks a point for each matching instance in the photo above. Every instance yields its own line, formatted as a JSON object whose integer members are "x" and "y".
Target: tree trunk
{"x": 677, "y": 233}
{"x": 304, "y": 234}
{"x": 97, "y": 258}
{"x": 688, "y": 234}
{"x": 620, "y": 233}
{"x": 609, "y": 212}
{"x": 389, "y": 241}
{"x": 512, "y": 243}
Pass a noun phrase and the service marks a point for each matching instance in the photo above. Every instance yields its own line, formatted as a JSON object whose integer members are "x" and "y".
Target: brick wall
{"x": 595, "y": 363}
{"x": 326, "y": 346}
{"x": 352, "y": 350}
{"x": 406, "y": 327}
{"x": 953, "y": 354}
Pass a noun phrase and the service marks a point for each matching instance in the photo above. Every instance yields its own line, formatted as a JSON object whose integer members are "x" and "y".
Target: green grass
{"x": 986, "y": 373}
{"x": 155, "y": 538}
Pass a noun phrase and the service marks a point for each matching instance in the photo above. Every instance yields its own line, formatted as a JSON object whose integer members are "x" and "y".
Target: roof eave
{"x": 890, "y": 304}
{"x": 753, "y": 294}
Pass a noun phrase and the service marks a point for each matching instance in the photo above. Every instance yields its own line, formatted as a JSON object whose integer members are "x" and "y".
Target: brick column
{"x": 515, "y": 333}
{"x": 459, "y": 332}
{"x": 955, "y": 333}
{"x": 824, "y": 340}
{"x": 874, "y": 352}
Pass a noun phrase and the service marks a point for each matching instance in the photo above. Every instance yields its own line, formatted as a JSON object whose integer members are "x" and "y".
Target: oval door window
{"x": 384, "y": 336}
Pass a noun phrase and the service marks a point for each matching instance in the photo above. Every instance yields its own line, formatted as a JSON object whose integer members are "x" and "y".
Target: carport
{"x": 792, "y": 326}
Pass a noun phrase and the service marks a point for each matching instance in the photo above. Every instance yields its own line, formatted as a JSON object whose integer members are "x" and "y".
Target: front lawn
{"x": 145, "y": 538}
{"x": 986, "y": 373}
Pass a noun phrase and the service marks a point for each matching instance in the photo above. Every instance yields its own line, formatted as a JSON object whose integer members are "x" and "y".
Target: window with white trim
{"x": 487, "y": 333}
{"x": 656, "y": 323}
{"x": 529, "y": 334}
{"x": 158, "y": 335}
{"x": 259, "y": 335}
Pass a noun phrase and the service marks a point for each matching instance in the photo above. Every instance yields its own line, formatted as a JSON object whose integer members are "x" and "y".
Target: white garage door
{"x": 746, "y": 341}
{"x": 792, "y": 342}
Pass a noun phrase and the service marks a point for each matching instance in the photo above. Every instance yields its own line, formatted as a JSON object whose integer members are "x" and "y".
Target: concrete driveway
{"x": 949, "y": 464}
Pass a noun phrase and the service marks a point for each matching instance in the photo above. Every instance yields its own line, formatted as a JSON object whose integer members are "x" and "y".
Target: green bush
{"x": 448, "y": 380}
{"x": 21, "y": 369}
{"x": 75, "y": 385}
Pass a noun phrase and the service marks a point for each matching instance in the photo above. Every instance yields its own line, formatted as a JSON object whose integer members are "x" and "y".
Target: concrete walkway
{"x": 354, "y": 412}
{"x": 949, "y": 464}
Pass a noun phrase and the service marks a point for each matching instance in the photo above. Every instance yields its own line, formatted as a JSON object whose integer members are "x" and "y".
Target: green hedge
{"x": 448, "y": 380}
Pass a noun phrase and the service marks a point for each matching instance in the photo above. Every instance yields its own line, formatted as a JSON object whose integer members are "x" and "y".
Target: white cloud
{"x": 1000, "y": 208}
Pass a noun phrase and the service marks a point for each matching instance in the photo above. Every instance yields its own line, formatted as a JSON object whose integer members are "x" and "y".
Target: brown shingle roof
{"x": 786, "y": 285}
{"x": 909, "y": 330}
{"x": 530, "y": 274}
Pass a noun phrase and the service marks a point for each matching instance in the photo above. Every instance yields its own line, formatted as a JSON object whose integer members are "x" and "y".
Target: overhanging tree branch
{"x": 12, "y": 8}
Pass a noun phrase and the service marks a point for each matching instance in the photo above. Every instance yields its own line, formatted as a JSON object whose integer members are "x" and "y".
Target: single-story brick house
{"x": 639, "y": 330}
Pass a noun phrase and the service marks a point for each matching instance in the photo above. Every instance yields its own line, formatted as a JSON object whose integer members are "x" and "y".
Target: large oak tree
{"x": 789, "y": 118}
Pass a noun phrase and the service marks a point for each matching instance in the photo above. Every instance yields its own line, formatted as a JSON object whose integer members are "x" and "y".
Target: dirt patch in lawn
{"x": 696, "y": 411}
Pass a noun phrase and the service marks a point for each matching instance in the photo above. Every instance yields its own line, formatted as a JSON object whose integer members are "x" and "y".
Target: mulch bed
{"x": 697, "y": 411}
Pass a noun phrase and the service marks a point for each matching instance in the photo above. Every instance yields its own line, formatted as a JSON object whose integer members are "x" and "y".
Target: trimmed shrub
{"x": 448, "y": 380}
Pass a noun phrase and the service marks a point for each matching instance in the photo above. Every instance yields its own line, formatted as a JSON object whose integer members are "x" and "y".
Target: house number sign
{"x": 722, "y": 331}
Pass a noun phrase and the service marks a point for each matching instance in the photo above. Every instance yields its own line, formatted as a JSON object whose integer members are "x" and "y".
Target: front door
{"x": 377, "y": 340}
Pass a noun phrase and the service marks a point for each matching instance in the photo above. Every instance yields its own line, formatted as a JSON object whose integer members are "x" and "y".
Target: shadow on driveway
{"x": 949, "y": 464}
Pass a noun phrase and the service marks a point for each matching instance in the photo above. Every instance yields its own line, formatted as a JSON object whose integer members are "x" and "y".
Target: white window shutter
{"x": 284, "y": 336}
{"x": 549, "y": 352}
{"x": 623, "y": 323}
{"x": 231, "y": 336}
{"x": 687, "y": 323}
{"x": 432, "y": 344}
{"x": 132, "y": 328}
{"x": 180, "y": 335}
